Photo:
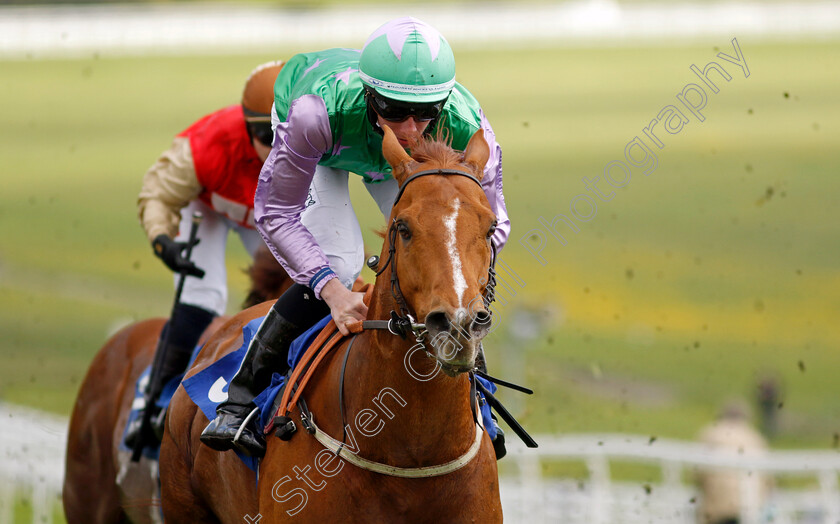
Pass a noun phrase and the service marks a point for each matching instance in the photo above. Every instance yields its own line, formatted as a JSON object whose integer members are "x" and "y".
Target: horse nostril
{"x": 437, "y": 322}
{"x": 481, "y": 320}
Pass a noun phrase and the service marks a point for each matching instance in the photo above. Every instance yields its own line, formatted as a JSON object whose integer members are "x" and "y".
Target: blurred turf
{"x": 683, "y": 290}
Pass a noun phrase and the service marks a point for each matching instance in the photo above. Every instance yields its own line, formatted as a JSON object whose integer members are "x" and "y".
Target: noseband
{"x": 403, "y": 323}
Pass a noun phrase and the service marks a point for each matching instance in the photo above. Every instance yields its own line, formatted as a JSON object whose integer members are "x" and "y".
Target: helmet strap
{"x": 371, "y": 115}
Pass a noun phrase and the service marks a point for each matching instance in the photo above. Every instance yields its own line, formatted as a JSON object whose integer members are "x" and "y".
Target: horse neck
{"x": 436, "y": 421}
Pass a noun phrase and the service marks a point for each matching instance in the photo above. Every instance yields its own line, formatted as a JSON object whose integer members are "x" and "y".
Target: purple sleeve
{"x": 492, "y": 184}
{"x": 283, "y": 187}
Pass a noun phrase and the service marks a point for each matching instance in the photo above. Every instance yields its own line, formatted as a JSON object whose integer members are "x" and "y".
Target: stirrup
{"x": 244, "y": 425}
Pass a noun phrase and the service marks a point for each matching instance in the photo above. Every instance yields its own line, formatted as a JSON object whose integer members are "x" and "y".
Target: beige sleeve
{"x": 169, "y": 185}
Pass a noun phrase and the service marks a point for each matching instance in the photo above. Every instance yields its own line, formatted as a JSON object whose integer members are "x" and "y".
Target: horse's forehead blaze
{"x": 448, "y": 218}
{"x": 447, "y": 221}
{"x": 430, "y": 218}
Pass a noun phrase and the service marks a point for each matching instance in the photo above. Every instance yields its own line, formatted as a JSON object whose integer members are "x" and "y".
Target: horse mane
{"x": 437, "y": 149}
{"x": 268, "y": 279}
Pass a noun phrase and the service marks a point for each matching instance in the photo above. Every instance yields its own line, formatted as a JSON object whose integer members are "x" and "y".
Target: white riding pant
{"x": 330, "y": 217}
{"x": 211, "y": 292}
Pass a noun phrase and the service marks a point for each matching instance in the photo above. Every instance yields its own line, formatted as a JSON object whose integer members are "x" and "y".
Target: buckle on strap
{"x": 308, "y": 423}
{"x": 285, "y": 427}
{"x": 398, "y": 325}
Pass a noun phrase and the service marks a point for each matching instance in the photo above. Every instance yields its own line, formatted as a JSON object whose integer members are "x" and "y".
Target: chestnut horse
{"x": 415, "y": 451}
{"x": 91, "y": 492}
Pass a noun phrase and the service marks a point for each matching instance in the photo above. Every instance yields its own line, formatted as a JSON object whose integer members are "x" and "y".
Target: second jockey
{"x": 211, "y": 167}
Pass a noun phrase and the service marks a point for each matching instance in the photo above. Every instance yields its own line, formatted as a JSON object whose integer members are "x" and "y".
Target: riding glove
{"x": 171, "y": 252}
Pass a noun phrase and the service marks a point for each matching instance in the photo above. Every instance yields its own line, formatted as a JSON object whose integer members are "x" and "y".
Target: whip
{"x": 152, "y": 396}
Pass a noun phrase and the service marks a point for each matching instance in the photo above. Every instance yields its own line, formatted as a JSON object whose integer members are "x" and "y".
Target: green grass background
{"x": 686, "y": 288}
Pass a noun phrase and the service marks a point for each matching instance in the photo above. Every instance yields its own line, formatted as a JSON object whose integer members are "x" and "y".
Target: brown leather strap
{"x": 311, "y": 351}
{"x": 326, "y": 340}
{"x": 321, "y": 353}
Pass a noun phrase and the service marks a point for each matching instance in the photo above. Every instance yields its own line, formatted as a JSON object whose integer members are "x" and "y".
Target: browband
{"x": 434, "y": 172}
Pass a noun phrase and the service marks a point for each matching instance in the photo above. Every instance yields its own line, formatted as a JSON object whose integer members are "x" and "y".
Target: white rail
{"x": 230, "y": 28}
{"x": 32, "y": 449}
{"x": 597, "y": 499}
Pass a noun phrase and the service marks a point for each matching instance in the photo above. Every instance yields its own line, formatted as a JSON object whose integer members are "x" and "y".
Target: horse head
{"x": 439, "y": 245}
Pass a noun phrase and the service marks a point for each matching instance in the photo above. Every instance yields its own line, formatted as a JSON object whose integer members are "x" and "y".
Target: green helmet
{"x": 408, "y": 60}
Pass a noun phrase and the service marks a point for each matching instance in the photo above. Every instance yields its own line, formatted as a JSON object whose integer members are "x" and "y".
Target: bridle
{"x": 403, "y": 322}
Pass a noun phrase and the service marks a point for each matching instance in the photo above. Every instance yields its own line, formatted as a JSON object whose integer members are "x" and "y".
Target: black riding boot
{"x": 180, "y": 335}
{"x": 499, "y": 441}
{"x": 293, "y": 313}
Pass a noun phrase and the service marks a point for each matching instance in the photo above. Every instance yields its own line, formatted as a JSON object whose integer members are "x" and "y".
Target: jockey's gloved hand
{"x": 171, "y": 252}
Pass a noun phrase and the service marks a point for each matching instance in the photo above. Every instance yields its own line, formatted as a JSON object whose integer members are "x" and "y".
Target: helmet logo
{"x": 397, "y": 32}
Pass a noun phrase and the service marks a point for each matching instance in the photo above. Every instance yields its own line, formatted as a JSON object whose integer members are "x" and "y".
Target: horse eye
{"x": 492, "y": 230}
{"x": 403, "y": 230}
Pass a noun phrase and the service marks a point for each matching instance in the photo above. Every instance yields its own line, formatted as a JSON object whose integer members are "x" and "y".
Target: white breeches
{"x": 330, "y": 217}
{"x": 210, "y": 292}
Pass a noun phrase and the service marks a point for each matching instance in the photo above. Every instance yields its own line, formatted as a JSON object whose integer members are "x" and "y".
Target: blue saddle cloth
{"x": 209, "y": 387}
{"x": 139, "y": 401}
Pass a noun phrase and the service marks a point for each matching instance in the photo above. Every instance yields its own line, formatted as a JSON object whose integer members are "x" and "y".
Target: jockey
{"x": 212, "y": 167}
{"x": 329, "y": 110}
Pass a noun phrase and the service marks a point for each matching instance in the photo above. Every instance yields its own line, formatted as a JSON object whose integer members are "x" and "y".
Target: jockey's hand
{"x": 171, "y": 252}
{"x": 346, "y": 306}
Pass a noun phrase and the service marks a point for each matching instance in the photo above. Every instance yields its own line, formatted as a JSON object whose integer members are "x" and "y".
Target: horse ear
{"x": 477, "y": 153}
{"x": 394, "y": 154}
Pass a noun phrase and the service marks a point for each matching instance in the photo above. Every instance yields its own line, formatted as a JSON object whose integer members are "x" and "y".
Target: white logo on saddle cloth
{"x": 217, "y": 393}
{"x": 140, "y": 401}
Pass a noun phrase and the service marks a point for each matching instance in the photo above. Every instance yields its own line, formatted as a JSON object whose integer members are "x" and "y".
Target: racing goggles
{"x": 262, "y": 132}
{"x": 259, "y": 126}
{"x": 396, "y": 111}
